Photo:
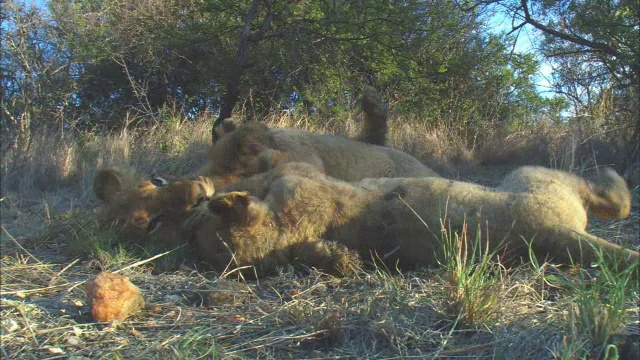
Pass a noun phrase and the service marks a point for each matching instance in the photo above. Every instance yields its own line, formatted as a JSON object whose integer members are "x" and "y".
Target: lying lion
{"x": 151, "y": 210}
{"x": 252, "y": 148}
{"x": 404, "y": 221}
{"x": 157, "y": 210}
{"x": 135, "y": 207}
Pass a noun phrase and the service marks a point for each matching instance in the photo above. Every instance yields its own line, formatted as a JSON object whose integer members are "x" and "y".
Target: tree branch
{"x": 571, "y": 38}
{"x": 233, "y": 85}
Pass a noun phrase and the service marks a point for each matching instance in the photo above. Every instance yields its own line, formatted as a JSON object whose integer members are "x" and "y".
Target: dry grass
{"x": 50, "y": 246}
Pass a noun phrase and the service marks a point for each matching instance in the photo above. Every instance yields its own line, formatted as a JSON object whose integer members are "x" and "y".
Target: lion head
{"x": 238, "y": 231}
{"x": 237, "y": 148}
{"x": 610, "y": 198}
{"x": 153, "y": 210}
{"x": 242, "y": 150}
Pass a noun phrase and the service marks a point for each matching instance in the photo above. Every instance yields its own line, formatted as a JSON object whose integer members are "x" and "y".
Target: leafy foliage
{"x": 432, "y": 60}
{"x": 592, "y": 46}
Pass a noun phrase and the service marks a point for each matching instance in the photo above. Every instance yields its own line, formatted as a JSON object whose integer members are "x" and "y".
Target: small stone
{"x": 55, "y": 351}
{"x": 74, "y": 340}
{"x": 173, "y": 298}
{"x": 113, "y": 297}
{"x": 224, "y": 292}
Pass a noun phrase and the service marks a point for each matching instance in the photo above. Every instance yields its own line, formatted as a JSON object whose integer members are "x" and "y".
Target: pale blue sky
{"x": 524, "y": 44}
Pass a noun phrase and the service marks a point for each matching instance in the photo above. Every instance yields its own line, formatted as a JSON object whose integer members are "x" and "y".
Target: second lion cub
{"x": 400, "y": 220}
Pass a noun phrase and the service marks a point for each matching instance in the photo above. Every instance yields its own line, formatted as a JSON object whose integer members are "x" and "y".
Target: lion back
{"x": 347, "y": 159}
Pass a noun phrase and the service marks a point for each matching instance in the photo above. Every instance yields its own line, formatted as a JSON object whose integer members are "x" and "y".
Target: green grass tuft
{"x": 474, "y": 279}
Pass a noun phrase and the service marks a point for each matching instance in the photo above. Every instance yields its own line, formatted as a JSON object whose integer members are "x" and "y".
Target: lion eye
{"x": 153, "y": 225}
{"x": 159, "y": 182}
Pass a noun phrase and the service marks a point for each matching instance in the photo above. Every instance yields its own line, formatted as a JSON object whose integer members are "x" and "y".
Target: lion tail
{"x": 375, "y": 127}
{"x": 568, "y": 246}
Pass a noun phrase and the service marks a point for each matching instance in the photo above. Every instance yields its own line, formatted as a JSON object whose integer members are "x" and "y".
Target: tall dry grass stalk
{"x": 54, "y": 174}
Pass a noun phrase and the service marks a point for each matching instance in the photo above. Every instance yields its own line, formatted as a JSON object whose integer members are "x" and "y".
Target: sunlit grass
{"x": 599, "y": 307}
{"x": 475, "y": 280}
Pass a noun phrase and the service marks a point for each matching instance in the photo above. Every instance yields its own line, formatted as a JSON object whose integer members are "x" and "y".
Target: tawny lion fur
{"x": 137, "y": 209}
{"x": 376, "y": 117}
{"x": 153, "y": 210}
{"x": 295, "y": 207}
{"x": 403, "y": 221}
{"x": 252, "y": 148}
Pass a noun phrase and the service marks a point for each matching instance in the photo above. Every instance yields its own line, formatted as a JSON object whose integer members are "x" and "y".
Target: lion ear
{"x": 228, "y": 125}
{"x": 108, "y": 183}
{"x": 227, "y": 201}
{"x": 226, "y": 205}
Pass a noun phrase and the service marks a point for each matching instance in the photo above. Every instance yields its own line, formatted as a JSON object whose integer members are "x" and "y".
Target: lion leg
{"x": 566, "y": 245}
{"x": 331, "y": 257}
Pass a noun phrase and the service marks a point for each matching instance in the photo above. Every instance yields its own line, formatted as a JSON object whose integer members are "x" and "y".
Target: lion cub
{"x": 404, "y": 221}
{"x": 247, "y": 149}
{"x": 151, "y": 210}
